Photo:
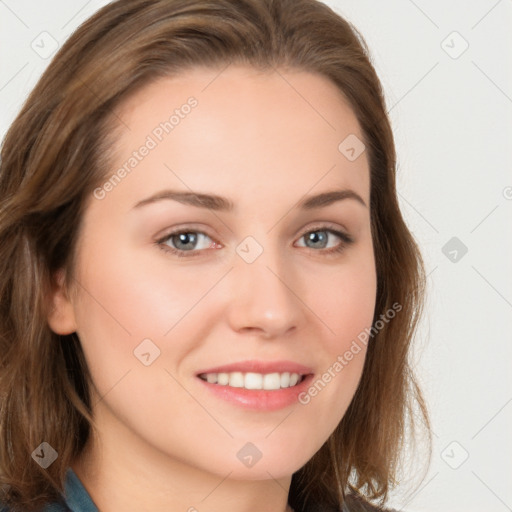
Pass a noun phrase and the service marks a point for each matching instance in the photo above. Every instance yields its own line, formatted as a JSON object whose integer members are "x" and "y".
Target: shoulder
{"x": 51, "y": 507}
{"x": 56, "y": 507}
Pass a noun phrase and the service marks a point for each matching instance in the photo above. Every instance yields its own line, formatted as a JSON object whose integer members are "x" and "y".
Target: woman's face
{"x": 257, "y": 284}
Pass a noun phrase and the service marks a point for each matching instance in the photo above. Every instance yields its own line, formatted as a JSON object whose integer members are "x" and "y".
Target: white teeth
{"x": 251, "y": 380}
{"x": 236, "y": 380}
{"x": 222, "y": 379}
{"x": 272, "y": 381}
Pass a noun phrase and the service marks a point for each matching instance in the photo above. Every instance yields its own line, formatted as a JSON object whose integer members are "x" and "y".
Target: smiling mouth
{"x": 251, "y": 380}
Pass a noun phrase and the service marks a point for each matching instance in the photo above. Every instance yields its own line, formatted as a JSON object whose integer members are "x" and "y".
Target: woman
{"x": 208, "y": 290}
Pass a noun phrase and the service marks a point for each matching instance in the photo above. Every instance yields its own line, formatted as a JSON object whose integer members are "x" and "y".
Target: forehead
{"x": 248, "y": 132}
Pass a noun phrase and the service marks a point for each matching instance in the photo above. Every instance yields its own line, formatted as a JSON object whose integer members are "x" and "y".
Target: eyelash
{"x": 347, "y": 240}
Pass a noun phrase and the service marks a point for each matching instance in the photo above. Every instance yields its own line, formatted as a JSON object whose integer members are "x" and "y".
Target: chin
{"x": 261, "y": 471}
{"x": 272, "y": 461}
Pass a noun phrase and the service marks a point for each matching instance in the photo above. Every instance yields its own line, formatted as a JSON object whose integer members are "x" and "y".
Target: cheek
{"x": 126, "y": 298}
{"x": 344, "y": 299}
{"x": 349, "y": 306}
{"x": 345, "y": 303}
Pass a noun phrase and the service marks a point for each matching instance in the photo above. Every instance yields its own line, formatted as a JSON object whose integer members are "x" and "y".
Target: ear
{"x": 61, "y": 316}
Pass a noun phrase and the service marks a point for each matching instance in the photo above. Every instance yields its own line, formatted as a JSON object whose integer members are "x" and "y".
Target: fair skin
{"x": 165, "y": 441}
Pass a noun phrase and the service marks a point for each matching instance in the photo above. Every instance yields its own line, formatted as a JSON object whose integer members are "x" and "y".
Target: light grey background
{"x": 451, "y": 113}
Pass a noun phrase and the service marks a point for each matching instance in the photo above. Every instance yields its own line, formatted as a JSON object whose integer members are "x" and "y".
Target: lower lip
{"x": 259, "y": 399}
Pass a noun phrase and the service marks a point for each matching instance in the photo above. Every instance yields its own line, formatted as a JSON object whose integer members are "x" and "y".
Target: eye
{"x": 318, "y": 238}
{"x": 186, "y": 241}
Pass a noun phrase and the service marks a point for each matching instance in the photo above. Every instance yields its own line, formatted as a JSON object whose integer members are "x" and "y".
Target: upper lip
{"x": 260, "y": 367}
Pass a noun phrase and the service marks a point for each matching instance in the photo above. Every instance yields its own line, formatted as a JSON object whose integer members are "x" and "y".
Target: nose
{"x": 263, "y": 300}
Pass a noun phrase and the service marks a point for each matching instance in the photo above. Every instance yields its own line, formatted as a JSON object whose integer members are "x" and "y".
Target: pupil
{"x": 315, "y": 237}
{"x": 184, "y": 238}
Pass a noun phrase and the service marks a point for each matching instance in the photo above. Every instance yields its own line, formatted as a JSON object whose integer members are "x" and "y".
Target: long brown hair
{"x": 56, "y": 152}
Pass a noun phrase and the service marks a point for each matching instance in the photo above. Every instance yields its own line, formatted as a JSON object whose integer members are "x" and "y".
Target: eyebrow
{"x": 219, "y": 203}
